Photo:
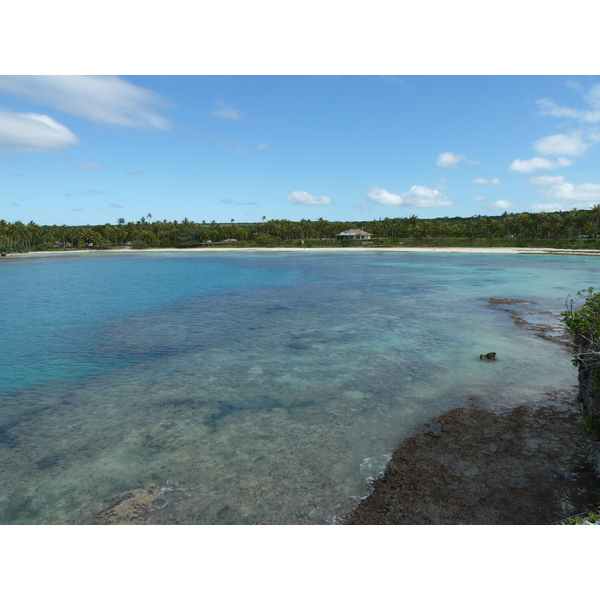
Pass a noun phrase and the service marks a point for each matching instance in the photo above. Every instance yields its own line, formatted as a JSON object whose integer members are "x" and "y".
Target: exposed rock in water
{"x": 488, "y": 356}
{"x": 130, "y": 508}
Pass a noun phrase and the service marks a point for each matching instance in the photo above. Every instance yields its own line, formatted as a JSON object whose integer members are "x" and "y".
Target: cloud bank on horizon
{"x": 360, "y": 142}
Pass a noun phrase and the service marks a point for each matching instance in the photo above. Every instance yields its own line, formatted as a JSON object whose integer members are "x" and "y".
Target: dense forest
{"x": 574, "y": 228}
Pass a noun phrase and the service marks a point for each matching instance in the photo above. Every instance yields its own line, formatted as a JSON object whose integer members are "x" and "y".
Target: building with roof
{"x": 354, "y": 234}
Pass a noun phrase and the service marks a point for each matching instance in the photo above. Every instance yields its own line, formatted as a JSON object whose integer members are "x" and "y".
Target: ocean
{"x": 254, "y": 387}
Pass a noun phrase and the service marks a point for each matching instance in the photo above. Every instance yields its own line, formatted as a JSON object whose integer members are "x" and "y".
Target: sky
{"x": 90, "y": 149}
{"x": 249, "y": 111}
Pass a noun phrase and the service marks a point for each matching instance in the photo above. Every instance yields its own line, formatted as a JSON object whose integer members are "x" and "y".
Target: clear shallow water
{"x": 253, "y": 387}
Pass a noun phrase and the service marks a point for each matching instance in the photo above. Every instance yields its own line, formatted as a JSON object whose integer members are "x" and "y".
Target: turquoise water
{"x": 253, "y": 387}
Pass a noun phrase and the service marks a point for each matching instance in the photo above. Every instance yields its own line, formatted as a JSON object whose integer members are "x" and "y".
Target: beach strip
{"x": 210, "y": 249}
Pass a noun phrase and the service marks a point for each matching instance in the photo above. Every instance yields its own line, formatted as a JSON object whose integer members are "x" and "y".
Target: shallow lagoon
{"x": 253, "y": 387}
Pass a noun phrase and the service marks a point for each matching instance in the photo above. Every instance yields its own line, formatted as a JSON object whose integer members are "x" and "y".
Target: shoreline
{"x": 424, "y": 249}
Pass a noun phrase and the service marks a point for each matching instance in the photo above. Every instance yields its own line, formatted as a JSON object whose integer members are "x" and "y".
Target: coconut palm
{"x": 596, "y": 217}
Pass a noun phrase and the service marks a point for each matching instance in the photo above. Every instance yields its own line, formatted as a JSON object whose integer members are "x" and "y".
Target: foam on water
{"x": 253, "y": 388}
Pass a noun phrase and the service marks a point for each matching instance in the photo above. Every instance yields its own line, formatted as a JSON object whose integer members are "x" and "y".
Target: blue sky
{"x": 92, "y": 149}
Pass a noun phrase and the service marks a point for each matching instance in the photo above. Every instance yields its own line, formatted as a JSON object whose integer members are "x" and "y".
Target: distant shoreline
{"x": 448, "y": 250}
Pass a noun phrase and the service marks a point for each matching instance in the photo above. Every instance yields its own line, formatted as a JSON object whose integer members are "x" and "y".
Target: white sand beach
{"x": 463, "y": 250}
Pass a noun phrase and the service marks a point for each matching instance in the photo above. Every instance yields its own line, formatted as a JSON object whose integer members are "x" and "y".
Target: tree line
{"x": 515, "y": 228}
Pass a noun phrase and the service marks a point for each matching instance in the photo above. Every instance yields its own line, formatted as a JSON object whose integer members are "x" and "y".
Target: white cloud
{"x": 571, "y": 144}
{"x": 593, "y": 135}
{"x": 562, "y": 195}
{"x": 103, "y": 99}
{"x": 30, "y": 132}
{"x": 262, "y": 146}
{"x": 484, "y": 181}
{"x": 549, "y": 207}
{"x": 533, "y": 164}
{"x": 550, "y": 108}
{"x": 580, "y": 194}
{"x": 384, "y": 197}
{"x": 91, "y": 167}
{"x": 225, "y": 111}
{"x": 134, "y": 172}
{"x": 448, "y": 159}
{"x": 502, "y": 205}
{"x": 306, "y": 198}
{"x": 574, "y": 85}
{"x": 479, "y": 198}
{"x": 593, "y": 96}
{"x": 418, "y": 195}
{"x": 547, "y": 180}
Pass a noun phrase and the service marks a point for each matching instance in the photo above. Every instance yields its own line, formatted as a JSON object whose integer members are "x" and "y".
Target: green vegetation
{"x": 582, "y": 322}
{"x": 575, "y": 229}
{"x": 591, "y": 425}
{"x": 591, "y": 517}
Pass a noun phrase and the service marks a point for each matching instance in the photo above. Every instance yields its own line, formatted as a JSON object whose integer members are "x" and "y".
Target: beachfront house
{"x": 354, "y": 234}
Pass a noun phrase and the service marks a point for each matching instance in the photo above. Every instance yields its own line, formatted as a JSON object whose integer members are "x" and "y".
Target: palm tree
{"x": 569, "y": 219}
{"x": 596, "y": 215}
{"x": 34, "y": 232}
{"x": 542, "y": 225}
{"x": 525, "y": 224}
{"x": 510, "y": 223}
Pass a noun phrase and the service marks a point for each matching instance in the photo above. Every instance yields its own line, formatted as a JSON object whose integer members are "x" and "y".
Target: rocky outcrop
{"x": 589, "y": 390}
{"x": 589, "y": 398}
{"x": 130, "y": 508}
{"x": 471, "y": 466}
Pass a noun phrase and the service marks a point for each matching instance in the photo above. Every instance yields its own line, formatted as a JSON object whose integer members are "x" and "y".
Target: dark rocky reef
{"x": 472, "y": 466}
{"x": 588, "y": 396}
{"x": 589, "y": 390}
{"x": 130, "y": 508}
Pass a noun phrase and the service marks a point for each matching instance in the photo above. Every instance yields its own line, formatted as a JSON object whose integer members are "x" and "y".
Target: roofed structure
{"x": 354, "y": 234}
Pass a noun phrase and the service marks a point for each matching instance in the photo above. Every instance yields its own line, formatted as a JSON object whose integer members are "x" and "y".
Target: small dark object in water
{"x": 49, "y": 461}
{"x": 488, "y": 356}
